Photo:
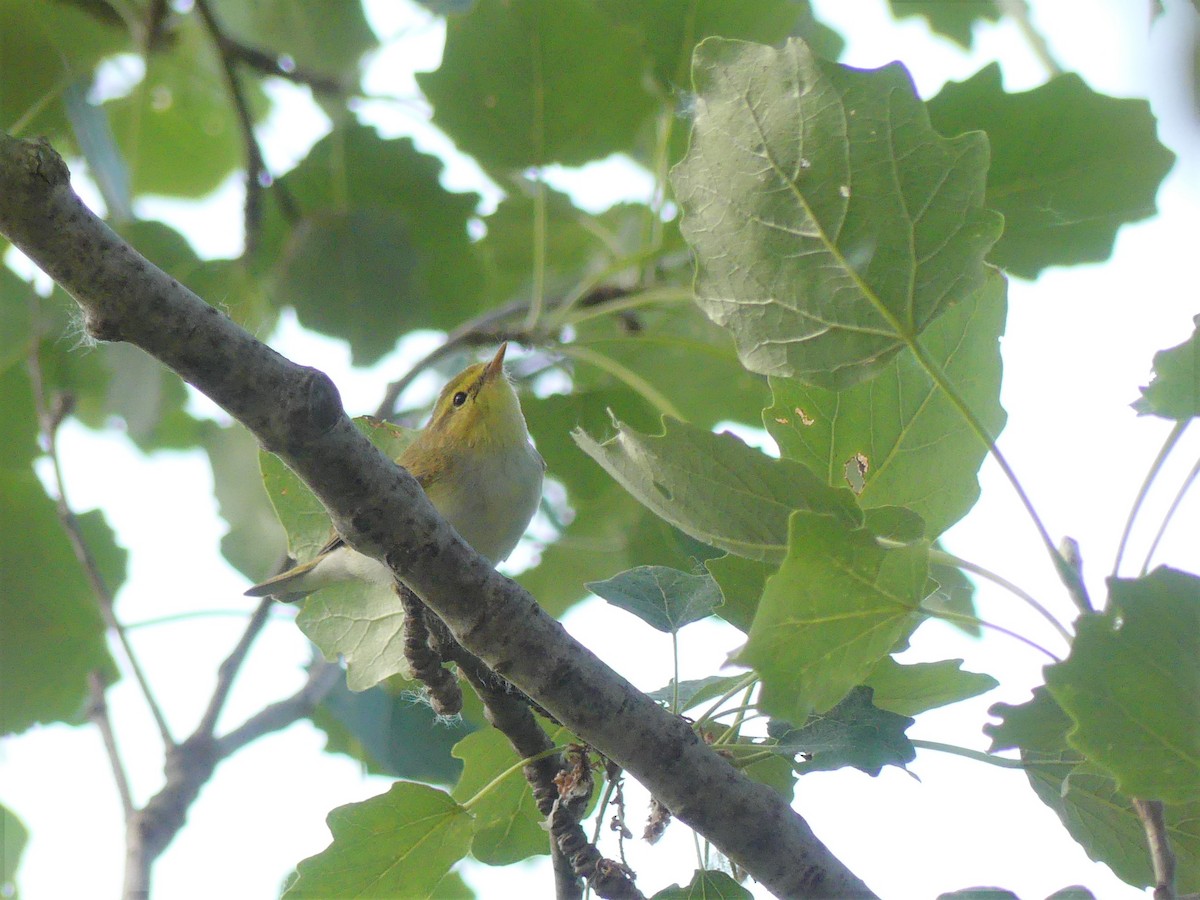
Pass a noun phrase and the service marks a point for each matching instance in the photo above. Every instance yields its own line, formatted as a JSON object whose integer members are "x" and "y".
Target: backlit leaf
{"x": 913, "y": 688}
{"x": 836, "y": 607}
{"x": 662, "y": 597}
{"x": 830, "y": 222}
{"x": 917, "y": 449}
{"x": 1132, "y": 686}
{"x": 1069, "y": 166}
{"x": 399, "y": 844}
{"x": 716, "y": 488}
{"x": 1174, "y": 392}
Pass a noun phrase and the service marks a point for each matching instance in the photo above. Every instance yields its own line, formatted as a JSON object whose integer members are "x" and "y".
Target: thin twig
{"x": 1162, "y": 528}
{"x": 279, "y": 715}
{"x": 50, "y": 421}
{"x": 98, "y": 715}
{"x": 258, "y": 177}
{"x": 1018, "y": 11}
{"x": 1154, "y": 822}
{"x": 269, "y": 64}
{"x": 231, "y": 666}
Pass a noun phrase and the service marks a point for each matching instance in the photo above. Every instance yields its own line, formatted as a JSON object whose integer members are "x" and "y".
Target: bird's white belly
{"x": 502, "y": 493}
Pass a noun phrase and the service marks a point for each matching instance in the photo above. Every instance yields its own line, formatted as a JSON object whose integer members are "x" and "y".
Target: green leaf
{"x": 914, "y": 688}
{"x": 955, "y": 20}
{"x": 110, "y": 558}
{"x": 255, "y": 540}
{"x": 177, "y": 129}
{"x": 955, "y": 594}
{"x": 382, "y": 247}
{"x": 706, "y": 884}
{"x": 907, "y": 433}
{"x": 93, "y": 132}
{"x": 836, "y": 607}
{"x": 830, "y": 222}
{"x": 364, "y": 623}
{"x": 1086, "y": 799}
{"x": 392, "y": 731}
{"x": 53, "y": 637}
{"x": 508, "y": 826}
{"x": 46, "y": 45}
{"x": 1069, "y": 166}
{"x": 13, "y": 837}
{"x": 315, "y": 34}
{"x": 693, "y": 693}
{"x": 399, "y": 844}
{"x": 662, "y": 597}
{"x": 518, "y": 88}
{"x": 17, "y": 301}
{"x": 854, "y": 733}
{"x": 715, "y": 488}
{"x": 1132, "y": 686}
{"x": 1174, "y": 393}
{"x": 668, "y": 33}
{"x": 741, "y": 582}
{"x": 980, "y": 893}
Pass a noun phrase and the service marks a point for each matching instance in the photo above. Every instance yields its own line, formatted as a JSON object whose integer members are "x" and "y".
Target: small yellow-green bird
{"x": 474, "y": 461}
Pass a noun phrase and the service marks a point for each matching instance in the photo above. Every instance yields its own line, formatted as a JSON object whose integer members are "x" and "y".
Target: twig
{"x": 475, "y": 333}
{"x": 98, "y": 715}
{"x": 258, "y": 177}
{"x": 49, "y": 421}
{"x": 269, "y": 64}
{"x": 1018, "y": 11}
{"x": 1161, "y": 855}
{"x": 279, "y": 715}
{"x": 231, "y": 666}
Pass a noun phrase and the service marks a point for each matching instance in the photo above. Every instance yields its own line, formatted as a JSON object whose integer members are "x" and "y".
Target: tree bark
{"x": 380, "y": 510}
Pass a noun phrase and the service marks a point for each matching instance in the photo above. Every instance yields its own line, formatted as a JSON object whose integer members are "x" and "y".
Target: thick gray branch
{"x": 379, "y": 509}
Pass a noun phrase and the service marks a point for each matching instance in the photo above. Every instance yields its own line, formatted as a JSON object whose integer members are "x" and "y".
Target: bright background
{"x": 1079, "y": 343}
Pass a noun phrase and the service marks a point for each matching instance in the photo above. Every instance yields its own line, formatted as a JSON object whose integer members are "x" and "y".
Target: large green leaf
{"x": 53, "y": 636}
{"x": 955, "y": 19}
{"x": 910, "y": 689}
{"x": 13, "y": 836}
{"x": 46, "y": 45}
{"x": 911, "y": 439}
{"x": 391, "y": 731}
{"x": 381, "y": 248}
{"x": 741, "y": 582}
{"x": 836, "y": 607}
{"x": 854, "y": 733}
{"x": 399, "y": 844}
{"x": 315, "y": 34}
{"x": 1132, "y": 686}
{"x": 362, "y": 623}
{"x": 1085, "y": 798}
{"x": 1174, "y": 393}
{"x": 1069, "y": 166}
{"x": 716, "y": 488}
{"x": 830, "y": 222}
{"x": 507, "y": 824}
{"x": 517, "y": 87}
{"x": 664, "y": 598}
{"x": 254, "y": 539}
{"x": 608, "y": 530}
{"x": 178, "y": 129}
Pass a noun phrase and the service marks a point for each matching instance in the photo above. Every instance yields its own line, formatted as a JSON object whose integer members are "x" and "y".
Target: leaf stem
{"x": 977, "y": 755}
{"x": 1068, "y": 575}
{"x": 1183, "y": 489}
{"x": 1155, "y": 467}
{"x": 649, "y": 392}
{"x": 633, "y": 301}
{"x": 746, "y": 681}
{"x": 538, "y": 300}
{"x": 975, "y": 620}
{"x": 514, "y": 768}
{"x": 675, "y": 680}
{"x": 949, "y": 559}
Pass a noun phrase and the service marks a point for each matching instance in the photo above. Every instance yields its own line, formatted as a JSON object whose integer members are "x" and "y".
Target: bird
{"x": 475, "y": 462}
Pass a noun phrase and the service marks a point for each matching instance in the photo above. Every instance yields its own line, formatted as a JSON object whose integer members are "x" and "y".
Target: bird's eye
{"x": 460, "y": 398}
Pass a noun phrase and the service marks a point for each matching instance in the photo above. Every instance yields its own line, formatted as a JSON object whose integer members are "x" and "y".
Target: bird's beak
{"x": 495, "y": 368}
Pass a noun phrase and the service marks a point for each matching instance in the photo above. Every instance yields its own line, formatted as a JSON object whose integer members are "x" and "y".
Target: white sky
{"x": 1079, "y": 343}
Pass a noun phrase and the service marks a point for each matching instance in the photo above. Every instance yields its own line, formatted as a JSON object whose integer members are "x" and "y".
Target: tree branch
{"x": 380, "y": 510}
{"x": 1159, "y": 842}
